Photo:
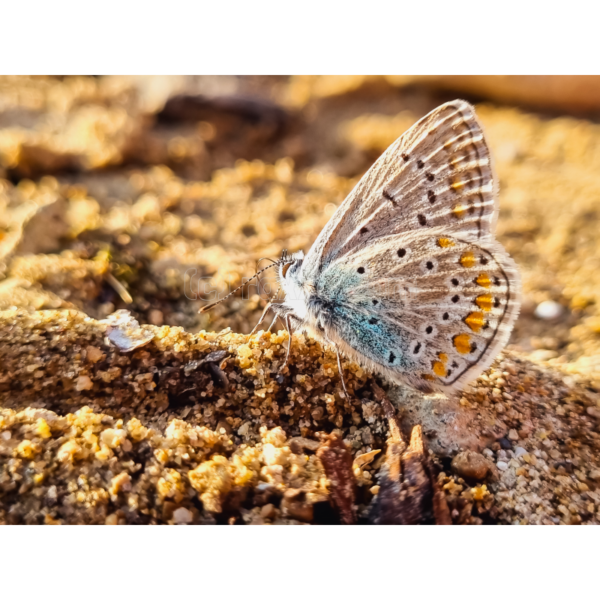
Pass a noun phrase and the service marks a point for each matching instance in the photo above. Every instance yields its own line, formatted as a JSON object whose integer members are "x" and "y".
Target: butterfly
{"x": 407, "y": 278}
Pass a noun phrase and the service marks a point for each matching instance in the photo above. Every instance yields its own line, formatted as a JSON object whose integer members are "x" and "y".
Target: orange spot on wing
{"x": 462, "y": 343}
{"x": 428, "y": 377}
{"x": 459, "y": 211}
{"x": 443, "y": 357}
{"x": 439, "y": 369}
{"x": 475, "y": 321}
{"x": 445, "y": 243}
{"x": 467, "y": 260}
{"x": 484, "y": 280}
{"x": 484, "y": 302}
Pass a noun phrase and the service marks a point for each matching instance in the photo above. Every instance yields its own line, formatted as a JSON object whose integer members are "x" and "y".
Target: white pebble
{"x": 6, "y": 435}
{"x": 548, "y": 310}
{"x": 182, "y": 516}
{"x": 520, "y": 451}
{"x": 488, "y": 452}
{"x": 502, "y": 465}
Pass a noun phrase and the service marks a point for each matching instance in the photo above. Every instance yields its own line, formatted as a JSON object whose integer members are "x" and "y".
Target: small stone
{"x": 509, "y": 478}
{"x": 182, "y": 516}
{"x": 502, "y": 466}
{"x": 548, "y": 310}
{"x": 52, "y": 495}
{"x": 304, "y": 444}
{"x": 505, "y": 444}
{"x": 113, "y": 438}
{"x": 520, "y": 451}
{"x": 244, "y": 429}
{"x": 593, "y": 412}
{"x": 513, "y": 435}
{"x": 94, "y": 354}
{"x": 120, "y": 482}
{"x": 470, "y": 464}
{"x": 125, "y": 332}
{"x": 112, "y": 519}
{"x": 42, "y": 429}
{"x": 268, "y": 511}
{"x": 6, "y": 435}
{"x": 84, "y": 383}
{"x": 317, "y": 413}
{"x": 295, "y": 505}
{"x": 543, "y": 355}
{"x": 367, "y": 436}
{"x": 156, "y": 317}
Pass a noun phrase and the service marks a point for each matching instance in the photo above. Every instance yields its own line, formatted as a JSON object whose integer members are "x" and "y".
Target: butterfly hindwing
{"x": 428, "y": 309}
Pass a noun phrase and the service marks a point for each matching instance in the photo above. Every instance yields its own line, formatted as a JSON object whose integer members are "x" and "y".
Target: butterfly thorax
{"x": 319, "y": 305}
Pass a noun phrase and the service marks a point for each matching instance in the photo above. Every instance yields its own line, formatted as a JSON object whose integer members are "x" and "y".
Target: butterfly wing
{"x": 438, "y": 173}
{"x": 427, "y": 309}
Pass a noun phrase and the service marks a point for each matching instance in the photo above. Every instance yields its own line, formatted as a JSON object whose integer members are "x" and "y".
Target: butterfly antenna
{"x": 275, "y": 262}
{"x": 209, "y": 306}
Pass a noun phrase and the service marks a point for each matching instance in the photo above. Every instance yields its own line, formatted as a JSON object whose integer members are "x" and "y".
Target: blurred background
{"x": 121, "y": 192}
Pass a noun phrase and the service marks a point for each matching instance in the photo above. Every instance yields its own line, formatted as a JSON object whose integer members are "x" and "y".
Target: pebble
{"x": 244, "y": 429}
{"x": 520, "y": 451}
{"x": 84, "y": 383}
{"x": 513, "y": 435}
{"x": 470, "y": 464}
{"x": 295, "y": 505}
{"x": 182, "y": 516}
{"x": 593, "y": 412}
{"x": 156, "y": 317}
{"x": 509, "y": 478}
{"x": 502, "y": 466}
{"x": 548, "y": 310}
{"x": 268, "y": 511}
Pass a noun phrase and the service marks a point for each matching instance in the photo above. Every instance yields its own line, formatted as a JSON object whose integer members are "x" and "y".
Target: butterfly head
{"x": 289, "y": 266}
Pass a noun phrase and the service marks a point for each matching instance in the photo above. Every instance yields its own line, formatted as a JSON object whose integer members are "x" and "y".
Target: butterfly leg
{"x": 341, "y": 371}
{"x": 288, "y": 326}
{"x": 273, "y": 322}
{"x": 262, "y": 317}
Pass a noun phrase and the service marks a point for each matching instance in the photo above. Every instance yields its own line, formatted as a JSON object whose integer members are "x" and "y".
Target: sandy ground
{"x": 145, "y": 194}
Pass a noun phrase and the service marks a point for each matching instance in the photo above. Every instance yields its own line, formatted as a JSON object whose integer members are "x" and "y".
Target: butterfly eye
{"x": 285, "y": 269}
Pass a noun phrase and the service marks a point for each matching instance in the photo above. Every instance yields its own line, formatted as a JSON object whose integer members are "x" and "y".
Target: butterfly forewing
{"x": 438, "y": 173}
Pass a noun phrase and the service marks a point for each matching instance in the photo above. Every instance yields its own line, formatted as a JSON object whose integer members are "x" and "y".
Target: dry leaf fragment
{"x": 337, "y": 462}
